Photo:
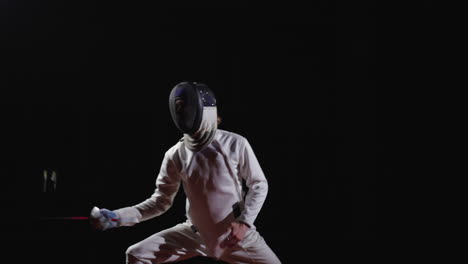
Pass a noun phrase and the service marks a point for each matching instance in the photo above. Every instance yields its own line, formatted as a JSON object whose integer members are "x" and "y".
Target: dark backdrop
{"x": 87, "y": 87}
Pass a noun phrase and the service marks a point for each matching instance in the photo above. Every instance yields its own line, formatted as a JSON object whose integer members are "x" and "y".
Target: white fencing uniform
{"x": 211, "y": 179}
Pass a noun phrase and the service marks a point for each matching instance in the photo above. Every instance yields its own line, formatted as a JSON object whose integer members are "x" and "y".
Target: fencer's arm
{"x": 256, "y": 181}
{"x": 167, "y": 185}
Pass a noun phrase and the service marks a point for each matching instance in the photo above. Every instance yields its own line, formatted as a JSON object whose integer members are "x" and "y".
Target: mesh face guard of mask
{"x": 187, "y": 102}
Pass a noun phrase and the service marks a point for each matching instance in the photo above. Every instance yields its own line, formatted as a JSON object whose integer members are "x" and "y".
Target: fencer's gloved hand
{"x": 103, "y": 219}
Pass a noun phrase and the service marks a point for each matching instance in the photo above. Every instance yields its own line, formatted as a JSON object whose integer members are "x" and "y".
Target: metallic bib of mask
{"x": 206, "y": 133}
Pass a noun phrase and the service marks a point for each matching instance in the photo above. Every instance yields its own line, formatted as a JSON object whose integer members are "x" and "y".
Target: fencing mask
{"x": 193, "y": 109}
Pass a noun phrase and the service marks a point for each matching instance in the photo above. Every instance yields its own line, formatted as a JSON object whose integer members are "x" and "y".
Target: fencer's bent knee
{"x": 135, "y": 254}
{"x": 132, "y": 254}
{"x": 132, "y": 250}
{"x": 139, "y": 253}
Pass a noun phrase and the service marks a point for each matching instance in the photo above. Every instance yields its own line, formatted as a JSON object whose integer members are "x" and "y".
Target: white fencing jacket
{"x": 212, "y": 181}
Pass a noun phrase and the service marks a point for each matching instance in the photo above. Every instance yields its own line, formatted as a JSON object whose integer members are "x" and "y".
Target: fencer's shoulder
{"x": 174, "y": 150}
{"x": 228, "y": 137}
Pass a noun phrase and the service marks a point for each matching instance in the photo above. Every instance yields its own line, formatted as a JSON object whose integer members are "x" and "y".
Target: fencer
{"x": 211, "y": 164}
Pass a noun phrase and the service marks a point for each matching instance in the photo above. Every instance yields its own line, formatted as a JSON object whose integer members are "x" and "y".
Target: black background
{"x": 84, "y": 93}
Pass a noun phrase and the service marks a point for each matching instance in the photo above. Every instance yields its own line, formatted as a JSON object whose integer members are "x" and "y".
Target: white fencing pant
{"x": 181, "y": 242}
